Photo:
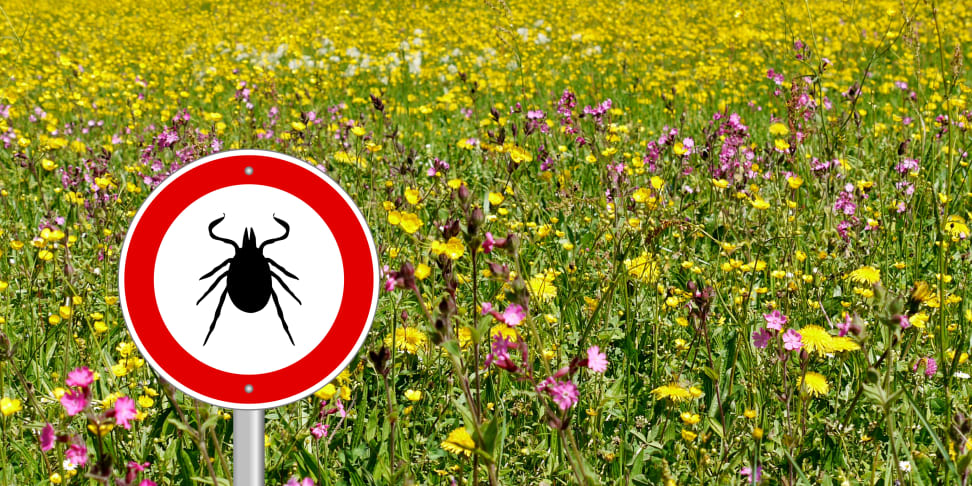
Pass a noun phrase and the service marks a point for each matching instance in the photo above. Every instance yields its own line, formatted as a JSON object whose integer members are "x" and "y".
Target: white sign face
{"x": 309, "y": 252}
{"x": 249, "y": 279}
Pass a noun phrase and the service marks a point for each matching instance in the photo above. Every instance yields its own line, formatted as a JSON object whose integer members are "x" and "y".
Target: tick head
{"x": 249, "y": 239}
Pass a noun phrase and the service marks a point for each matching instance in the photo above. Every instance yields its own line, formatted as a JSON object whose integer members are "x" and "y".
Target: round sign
{"x": 248, "y": 279}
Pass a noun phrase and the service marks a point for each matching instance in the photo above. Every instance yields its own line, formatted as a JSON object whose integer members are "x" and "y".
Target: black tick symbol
{"x": 248, "y": 280}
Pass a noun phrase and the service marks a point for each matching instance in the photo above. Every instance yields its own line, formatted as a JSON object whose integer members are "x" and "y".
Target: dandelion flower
{"x": 866, "y": 274}
{"x": 408, "y": 339}
{"x": 815, "y": 339}
{"x": 673, "y": 392}
{"x": 815, "y": 384}
{"x": 645, "y": 268}
{"x": 459, "y": 442}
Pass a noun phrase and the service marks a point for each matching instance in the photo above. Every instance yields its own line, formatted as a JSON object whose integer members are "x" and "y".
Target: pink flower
{"x": 564, "y": 393}
{"x": 124, "y": 411}
{"x": 319, "y": 430}
{"x": 792, "y": 340}
{"x": 775, "y": 320}
{"x": 931, "y": 366}
{"x": 596, "y": 360}
{"x": 845, "y": 326}
{"x": 134, "y": 466}
{"x": 303, "y": 482}
{"x": 47, "y": 438}
{"x": 74, "y": 401}
{"x": 487, "y": 308}
{"x": 389, "y": 284}
{"x": 77, "y": 454}
{"x": 147, "y": 482}
{"x": 488, "y": 243}
{"x": 761, "y": 338}
{"x": 80, "y": 377}
{"x": 903, "y": 320}
{"x": 514, "y": 314}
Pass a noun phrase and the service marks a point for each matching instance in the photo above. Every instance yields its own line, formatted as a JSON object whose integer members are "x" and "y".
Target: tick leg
{"x": 286, "y": 228}
{"x": 211, "y": 272}
{"x": 219, "y": 309}
{"x": 211, "y": 287}
{"x": 282, "y": 269}
{"x": 279, "y": 313}
{"x": 286, "y": 287}
{"x": 217, "y": 238}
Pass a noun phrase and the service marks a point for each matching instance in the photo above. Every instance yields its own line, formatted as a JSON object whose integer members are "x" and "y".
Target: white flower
{"x": 904, "y": 466}
{"x": 68, "y": 465}
{"x": 961, "y": 374}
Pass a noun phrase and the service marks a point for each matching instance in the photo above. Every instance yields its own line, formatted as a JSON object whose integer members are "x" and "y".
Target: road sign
{"x": 248, "y": 279}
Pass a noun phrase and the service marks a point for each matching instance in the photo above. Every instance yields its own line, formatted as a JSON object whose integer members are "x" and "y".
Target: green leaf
{"x": 938, "y": 443}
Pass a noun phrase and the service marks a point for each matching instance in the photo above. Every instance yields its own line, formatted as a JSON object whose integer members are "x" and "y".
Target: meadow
{"x": 700, "y": 242}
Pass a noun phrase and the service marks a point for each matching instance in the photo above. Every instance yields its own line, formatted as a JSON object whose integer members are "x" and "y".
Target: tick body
{"x": 250, "y": 276}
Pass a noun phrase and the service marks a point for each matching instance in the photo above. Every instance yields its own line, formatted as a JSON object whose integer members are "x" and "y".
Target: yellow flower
{"x": 408, "y": 339}
{"x": 422, "y": 271}
{"x": 919, "y": 320}
{"x": 454, "y": 248}
{"x": 48, "y": 164}
{"x": 690, "y": 418}
{"x": 673, "y": 392}
{"x": 464, "y": 335}
{"x": 327, "y": 392}
{"x": 496, "y": 198}
{"x": 866, "y": 274}
{"x": 358, "y": 131}
{"x": 408, "y": 222}
{"x": 779, "y": 129}
{"x": 55, "y": 478}
{"x": 815, "y": 384}
{"x": 542, "y": 287}
{"x": 688, "y": 435}
{"x": 644, "y": 267}
{"x": 413, "y": 395}
{"x": 505, "y": 331}
{"x": 459, "y": 442}
{"x": 720, "y": 183}
{"x": 760, "y": 203}
{"x": 412, "y": 195}
{"x": 9, "y": 406}
{"x": 145, "y": 401}
{"x": 781, "y": 145}
{"x": 749, "y": 413}
{"x": 101, "y": 430}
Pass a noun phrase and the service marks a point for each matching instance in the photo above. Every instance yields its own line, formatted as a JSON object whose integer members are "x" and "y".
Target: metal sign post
{"x": 248, "y": 444}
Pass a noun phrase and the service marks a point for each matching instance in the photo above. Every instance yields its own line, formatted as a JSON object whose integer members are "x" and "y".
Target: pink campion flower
{"x": 775, "y": 320}
{"x": 77, "y": 454}
{"x": 564, "y": 393}
{"x": 47, "y": 438}
{"x": 74, "y": 401}
{"x": 389, "y": 284}
{"x": 499, "y": 355}
{"x": 319, "y": 430}
{"x": 134, "y": 466}
{"x": 792, "y": 340}
{"x": 124, "y": 411}
{"x": 514, "y": 314}
{"x": 904, "y": 322}
{"x": 340, "y": 409}
{"x": 596, "y": 360}
{"x": 761, "y": 338}
{"x": 147, "y": 482}
{"x": 302, "y": 482}
{"x": 487, "y": 307}
{"x": 80, "y": 377}
{"x": 488, "y": 243}
{"x": 844, "y": 327}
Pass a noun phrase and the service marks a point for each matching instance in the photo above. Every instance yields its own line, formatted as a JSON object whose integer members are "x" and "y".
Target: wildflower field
{"x": 705, "y": 242}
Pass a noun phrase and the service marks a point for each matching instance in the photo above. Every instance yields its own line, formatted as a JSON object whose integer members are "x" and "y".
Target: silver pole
{"x": 248, "y": 448}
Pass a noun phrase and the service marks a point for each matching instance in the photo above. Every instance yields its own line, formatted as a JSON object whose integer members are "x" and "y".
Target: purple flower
{"x": 80, "y": 377}
{"x": 77, "y": 454}
{"x": 564, "y": 393}
{"x": 775, "y": 320}
{"x": 514, "y": 314}
{"x": 931, "y": 366}
{"x": 761, "y": 337}
{"x": 596, "y": 360}
{"x": 302, "y": 482}
{"x": 319, "y": 430}
{"x": 124, "y": 411}
{"x": 47, "y": 438}
{"x": 488, "y": 243}
{"x": 74, "y": 401}
{"x": 750, "y": 475}
{"x": 792, "y": 340}
{"x": 844, "y": 326}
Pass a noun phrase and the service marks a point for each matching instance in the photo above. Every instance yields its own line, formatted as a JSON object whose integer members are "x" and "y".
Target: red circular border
{"x": 139, "y": 287}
